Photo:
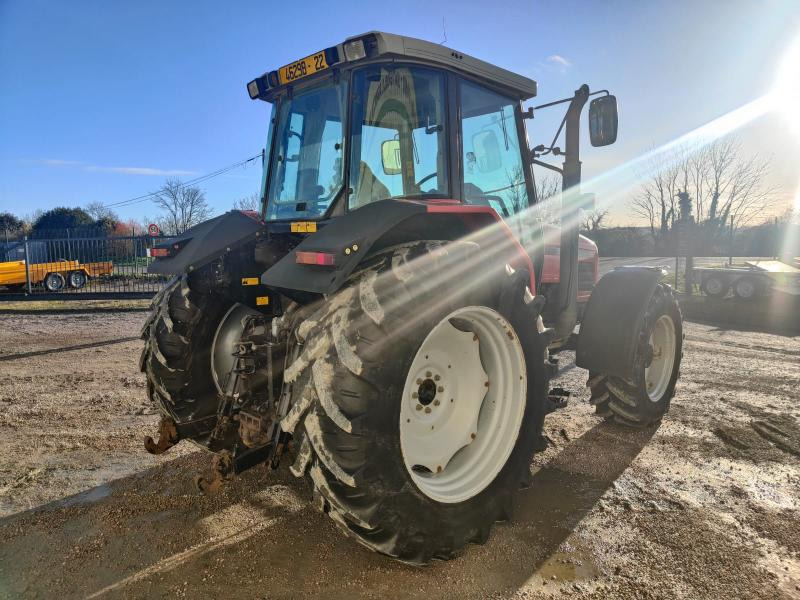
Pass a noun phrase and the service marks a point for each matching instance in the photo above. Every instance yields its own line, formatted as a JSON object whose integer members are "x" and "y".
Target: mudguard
{"x": 352, "y": 237}
{"x": 613, "y": 319}
{"x": 204, "y": 242}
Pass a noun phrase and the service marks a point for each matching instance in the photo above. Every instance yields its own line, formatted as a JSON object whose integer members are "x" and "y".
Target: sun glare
{"x": 785, "y": 92}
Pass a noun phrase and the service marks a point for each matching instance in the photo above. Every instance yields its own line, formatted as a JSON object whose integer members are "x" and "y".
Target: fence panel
{"x": 78, "y": 267}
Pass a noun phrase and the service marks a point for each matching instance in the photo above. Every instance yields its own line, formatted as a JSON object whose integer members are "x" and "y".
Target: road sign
{"x": 153, "y": 229}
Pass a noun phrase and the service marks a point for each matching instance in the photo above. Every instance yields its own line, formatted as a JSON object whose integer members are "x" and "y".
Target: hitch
{"x": 221, "y": 470}
{"x": 167, "y": 437}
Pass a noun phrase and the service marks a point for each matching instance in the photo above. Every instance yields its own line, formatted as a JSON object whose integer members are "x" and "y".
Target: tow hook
{"x": 221, "y": 470}
{"x": 167, "y": 437}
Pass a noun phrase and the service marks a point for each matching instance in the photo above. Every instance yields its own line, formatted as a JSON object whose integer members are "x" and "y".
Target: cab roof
{"x": 378, "y": 45}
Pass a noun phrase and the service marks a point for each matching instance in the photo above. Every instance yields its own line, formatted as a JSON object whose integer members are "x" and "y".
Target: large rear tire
{"x": 645, "y": 399}
{"x": 374, "y": 374}
{"x": 176, "y": 358}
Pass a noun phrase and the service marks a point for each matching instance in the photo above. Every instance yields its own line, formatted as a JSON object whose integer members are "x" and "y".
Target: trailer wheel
{"x": 746, "y": 288}
{"x": 176, "y": 358}
{"x": 54, "y": 282}
{"x": 418, "y": 403}
{"x": 77, "y": 279}
{"x": 645, "y": 399}
{"x": 716, "y": 286}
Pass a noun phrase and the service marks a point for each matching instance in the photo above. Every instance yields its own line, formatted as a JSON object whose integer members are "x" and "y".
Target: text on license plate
{"x": 303, "y": 67}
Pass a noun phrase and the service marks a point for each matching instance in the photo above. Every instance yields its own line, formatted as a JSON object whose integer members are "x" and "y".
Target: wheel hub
{"x": 462, "y": 404}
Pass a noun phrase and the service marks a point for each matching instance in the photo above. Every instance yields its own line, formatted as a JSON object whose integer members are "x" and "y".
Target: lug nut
{"x": 439, "y": 469}
{"x": 473, "y": 435}
{"x": 486, "y": 384}
{"x": 419, "y": 406}
{"x": 440, "y": 389}
{"x": 419, "y": 381}
{"x": 414, "y": 395}
{"x": 427, "y": 410}
{"x": 436, "y": 377}
{"x": 428, "y": 373}
{"x": 436, "y": 403}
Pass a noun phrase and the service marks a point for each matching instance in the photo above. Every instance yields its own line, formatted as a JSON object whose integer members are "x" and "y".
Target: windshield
{"x": 306, "y": 162}
{"x": 399, "y": 137}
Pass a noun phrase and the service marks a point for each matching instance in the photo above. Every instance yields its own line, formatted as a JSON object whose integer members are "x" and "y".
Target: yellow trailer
{"x": 53, "y": 275}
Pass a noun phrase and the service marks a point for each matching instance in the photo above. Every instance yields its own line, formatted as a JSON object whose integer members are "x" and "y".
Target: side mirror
{"x": 390, "y": 157}
{"x": 603, "y": 121}
{"x": 486, "y": 151}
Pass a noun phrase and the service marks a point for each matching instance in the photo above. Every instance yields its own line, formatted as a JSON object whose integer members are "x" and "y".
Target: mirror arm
{"x": 547, "y": 166}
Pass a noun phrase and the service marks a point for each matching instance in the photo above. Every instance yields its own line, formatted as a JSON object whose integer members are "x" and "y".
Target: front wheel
{"x": 419, "y": 401}
{"x": 645, "y": 398}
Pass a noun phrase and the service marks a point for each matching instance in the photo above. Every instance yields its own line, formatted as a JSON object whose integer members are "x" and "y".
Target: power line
{"x": 184, "y": 184}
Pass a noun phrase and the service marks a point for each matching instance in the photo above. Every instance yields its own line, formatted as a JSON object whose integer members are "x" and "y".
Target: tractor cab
{"x": 387, "y": 117}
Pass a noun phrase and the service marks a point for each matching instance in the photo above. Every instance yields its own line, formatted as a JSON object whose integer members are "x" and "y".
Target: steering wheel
{"x": 426, "y": 178}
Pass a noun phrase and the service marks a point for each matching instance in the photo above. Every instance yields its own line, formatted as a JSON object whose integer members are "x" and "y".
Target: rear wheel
{"x": 176, "y": 358}
{"x": 645, "y": 399}
{"x": 746, "y": 288}
{"x": 77, "y": 279}
{"x": 418, "y": 403}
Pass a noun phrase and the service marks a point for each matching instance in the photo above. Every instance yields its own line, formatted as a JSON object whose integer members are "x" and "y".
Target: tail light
{"x": 321, "y": 259}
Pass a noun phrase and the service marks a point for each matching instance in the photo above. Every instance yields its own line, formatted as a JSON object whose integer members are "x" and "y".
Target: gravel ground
{"x": 707, "y": 505}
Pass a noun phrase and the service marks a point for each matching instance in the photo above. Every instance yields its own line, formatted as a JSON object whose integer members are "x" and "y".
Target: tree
{"x": 593, "y": 221}
{"x": 10, "y": 224}
{"x": 548, "y": 193}
{"x": 62, "y": 218}
{"x": 100, "y": 212}
{"x": 251, "y": 202}
{"x": 182, "y": 206}
{"x": 719, "y": 183}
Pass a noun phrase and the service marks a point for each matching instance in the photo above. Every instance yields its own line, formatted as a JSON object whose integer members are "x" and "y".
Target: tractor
{"x": 390, "y": 320}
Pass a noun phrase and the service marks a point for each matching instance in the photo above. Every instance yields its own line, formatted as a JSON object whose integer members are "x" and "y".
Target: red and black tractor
{"x": 389, "y": 321}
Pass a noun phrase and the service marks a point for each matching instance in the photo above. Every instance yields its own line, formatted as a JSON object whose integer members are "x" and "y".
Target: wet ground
{"x": 707, "y": 505}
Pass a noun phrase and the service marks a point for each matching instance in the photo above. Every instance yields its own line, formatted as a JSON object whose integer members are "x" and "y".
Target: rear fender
{"x": 353, "y": 237}
{"x": 613, "y": 318}
{"x": 209, "y": 240}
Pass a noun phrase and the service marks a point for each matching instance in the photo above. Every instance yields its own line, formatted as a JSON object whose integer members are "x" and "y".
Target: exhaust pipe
{"x": 570, "y": 226}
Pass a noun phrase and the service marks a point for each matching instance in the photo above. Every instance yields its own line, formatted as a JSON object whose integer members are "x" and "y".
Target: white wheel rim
{"x": 714, "y": 286}
{"x": 745, "y": 288}
{"x": 457, "y": 432}
{"x": 662, "y": 340}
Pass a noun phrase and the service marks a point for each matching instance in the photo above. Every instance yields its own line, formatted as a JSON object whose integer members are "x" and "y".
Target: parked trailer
{"x": 748, "y": 281}
{"x": 52, "y": 275}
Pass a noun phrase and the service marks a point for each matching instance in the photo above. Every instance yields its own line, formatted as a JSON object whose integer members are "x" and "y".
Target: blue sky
{"x": 100, "y": 101}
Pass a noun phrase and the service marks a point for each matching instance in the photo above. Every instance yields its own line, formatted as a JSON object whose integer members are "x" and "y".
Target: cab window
{"x": 494, "y": 174}
{"x": 399, "y": 141}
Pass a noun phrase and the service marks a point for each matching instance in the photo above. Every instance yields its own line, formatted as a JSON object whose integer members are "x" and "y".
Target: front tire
{"x": 645, "y": 399}
{"x": 356, "y": 391}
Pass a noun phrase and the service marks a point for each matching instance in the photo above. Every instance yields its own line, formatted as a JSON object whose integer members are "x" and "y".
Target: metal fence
{"x": 77, "y": 268}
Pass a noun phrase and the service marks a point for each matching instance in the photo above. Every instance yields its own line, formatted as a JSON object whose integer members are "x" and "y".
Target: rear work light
{"x": 322, "y": 259}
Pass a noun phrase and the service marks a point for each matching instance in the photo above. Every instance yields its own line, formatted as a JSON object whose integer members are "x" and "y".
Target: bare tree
{"x": 251, "y": 202}
{"x": 183, "y": 206}
{"x": 100, "y": 212}
{"x": 725, "y": 185}
{"x": 548, "y": 192}
{"x": 593, "y": 221}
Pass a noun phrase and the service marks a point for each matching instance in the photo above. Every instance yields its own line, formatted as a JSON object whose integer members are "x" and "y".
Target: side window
{"x": 494, "y": 173}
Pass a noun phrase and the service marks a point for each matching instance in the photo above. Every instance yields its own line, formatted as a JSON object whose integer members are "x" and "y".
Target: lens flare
{"x": 785, "y": 93}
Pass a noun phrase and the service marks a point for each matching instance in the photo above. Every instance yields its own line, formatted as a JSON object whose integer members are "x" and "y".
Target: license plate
{"x": 303, "y": 68}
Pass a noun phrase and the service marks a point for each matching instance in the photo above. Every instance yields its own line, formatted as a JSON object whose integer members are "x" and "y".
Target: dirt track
{"x": 705, "y": 506}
